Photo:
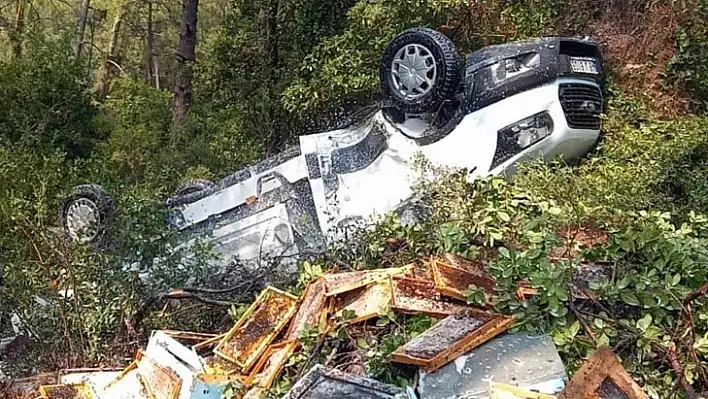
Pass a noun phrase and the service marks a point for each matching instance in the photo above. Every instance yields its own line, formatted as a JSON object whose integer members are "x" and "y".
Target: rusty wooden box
{"x": 67, "y": 391}
{"x": 340, "y": 283}
{"x": 415, "y": 296}
{"x": 312, "y": 310}
{"x": 366, "y": 303}
{"x": 258, "y": 327}
{"x": 160, "y": 382}
{"x": 600, "y": 377}
{"x": 268, "y": 367}
{"x": 450, "y": 338}
{"x": 454, "y": 281}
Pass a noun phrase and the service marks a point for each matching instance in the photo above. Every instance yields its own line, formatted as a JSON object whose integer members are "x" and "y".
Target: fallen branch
{"x": 238, "y": 287}
{"x": 676, "y": 366}
{"x": 702, "y": 291}
{"x": 583, "y": 323}
{"x": 182, "y": 294}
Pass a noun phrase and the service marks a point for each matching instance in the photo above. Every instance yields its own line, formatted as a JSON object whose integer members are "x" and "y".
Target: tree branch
{"x": 676, "y": 366}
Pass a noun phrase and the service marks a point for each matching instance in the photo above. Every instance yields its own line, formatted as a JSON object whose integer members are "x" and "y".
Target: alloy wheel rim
{"x": 413, "y": 71}
{"x": 82, "y": 220}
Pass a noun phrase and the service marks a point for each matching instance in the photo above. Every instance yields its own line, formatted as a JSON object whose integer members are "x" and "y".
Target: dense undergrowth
{"x": 644, "y": 186}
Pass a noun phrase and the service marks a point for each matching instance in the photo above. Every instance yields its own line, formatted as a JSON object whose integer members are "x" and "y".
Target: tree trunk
{"x": 186, "y": 55}
{"x": 109, "y": 63}
{"x": 149, "y": 46}
{"x": 81, "y": 29}
{"x": 273, "y": 50}
{"x": 19, "y": 29}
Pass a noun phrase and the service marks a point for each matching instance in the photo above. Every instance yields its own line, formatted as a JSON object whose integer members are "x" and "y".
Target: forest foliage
{"x": 267, "y": 71}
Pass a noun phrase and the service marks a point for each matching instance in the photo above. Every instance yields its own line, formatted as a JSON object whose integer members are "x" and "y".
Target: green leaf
{"x": 644, "y": 322}
{"x": 503, "y": 216}
{"x": 496, "y": 236}
{"x": 623, "y": 283}
{"x": 504, "y": 253}
{"x": 603, "y": 340}
{"x": 561, "y": 294}
{"x": 629, "y": 298}
{"x": 574, "y": 329}
{"x": 676, "y": 280}
{"x": 361, "y": 343}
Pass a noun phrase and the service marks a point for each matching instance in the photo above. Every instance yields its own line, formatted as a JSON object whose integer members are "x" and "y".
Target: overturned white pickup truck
{"x": 507, "y": 103}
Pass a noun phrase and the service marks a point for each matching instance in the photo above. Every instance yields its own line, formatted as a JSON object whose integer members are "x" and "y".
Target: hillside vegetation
{"x": 266, "y": 71}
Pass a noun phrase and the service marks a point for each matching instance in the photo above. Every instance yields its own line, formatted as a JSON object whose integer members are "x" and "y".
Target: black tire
{"x": 448, "y": 70}
{"x": 193, "y": 186}
{"x": 105, "y": 208}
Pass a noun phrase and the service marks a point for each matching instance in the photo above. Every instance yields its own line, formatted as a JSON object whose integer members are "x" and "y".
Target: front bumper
{"x": 575, "y": 111}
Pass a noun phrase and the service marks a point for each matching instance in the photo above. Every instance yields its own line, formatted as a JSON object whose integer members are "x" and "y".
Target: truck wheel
{"x": 87, "y": 213}
{"x": 193, "y": 186}
{"x": 420, "y": 69}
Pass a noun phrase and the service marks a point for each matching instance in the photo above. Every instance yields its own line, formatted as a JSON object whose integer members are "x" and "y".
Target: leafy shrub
{"x": 690, "y": 63}
{"x": 344, "y": 67}
{"x": 652, "y": 264}
{"x": 46, "y": 103}
{"x": 641, "y": 162}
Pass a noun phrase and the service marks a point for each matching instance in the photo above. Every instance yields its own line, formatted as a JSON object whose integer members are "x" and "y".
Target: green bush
{"x": 690, "y": 63}
{"x": 651, "y": 265}
{"x": 46, "y": 104}
{"x": 642, "y": 162}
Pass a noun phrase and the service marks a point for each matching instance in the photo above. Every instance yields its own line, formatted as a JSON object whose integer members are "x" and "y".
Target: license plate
{"x": 583, "y": 65}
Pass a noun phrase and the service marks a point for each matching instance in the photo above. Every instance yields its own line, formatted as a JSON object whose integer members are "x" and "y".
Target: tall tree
{"x": 18, "y": 31}
{"x": 273, "y": 59}
{"x": 186, "y": 56}
{"x": 150, "y": 59}
{"x": 81, "y": 28}
{"x": 110, "y": 60}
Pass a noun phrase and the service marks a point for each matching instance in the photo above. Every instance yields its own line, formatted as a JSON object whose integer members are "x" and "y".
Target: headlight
{"x": 512, "y": 67}
{"x": 521, "y": 135}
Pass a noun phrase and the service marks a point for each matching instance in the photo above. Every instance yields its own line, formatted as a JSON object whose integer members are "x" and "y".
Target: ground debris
{"x": 258, "y": 327}
{"x": 278, "y": 326}
{"x": 343, "y": 282}
{"x": 414, "y": 296}
{"x": 450, "y": 338}
{"x": 524, "y": 360}
{"x": 602, "y": 376}
{"x": 322, "y": 383}
{"x": 365, "y": 303}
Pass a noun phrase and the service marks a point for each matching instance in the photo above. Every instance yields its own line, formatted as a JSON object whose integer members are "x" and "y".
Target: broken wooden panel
{"x": 340, "y": 283}
{"x": 415, "y": 296}
{"x": 366, "y": 302}
{"x": 189, "y": 336}
{"x": 323, "y": 383}
{"x": 160, "y": 382}
{"x": 257, "y": 328}
{"x": 450, "y": 338}
{"x": 208, "y": 342}
{"x": 67, "y": 391}
{"x": 217, "y": 365}
{"x": 127, "y": 385}
{"x": 312, "y": 310}
{"x": 269, "y": 366}
{"x": 505, "y": 391}
{"x": 476, "y": 268}
{"x": 420, "y": 271}
{"x": 602, "y": 377}
{"x": 453, "y": 282}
